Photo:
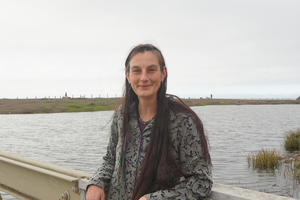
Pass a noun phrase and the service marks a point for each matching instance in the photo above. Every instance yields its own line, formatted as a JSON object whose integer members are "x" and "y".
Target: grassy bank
{"x": 29, "y": 106}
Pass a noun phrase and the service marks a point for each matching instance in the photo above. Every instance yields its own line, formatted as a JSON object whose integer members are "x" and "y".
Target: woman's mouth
{"x": 144, "y": 86}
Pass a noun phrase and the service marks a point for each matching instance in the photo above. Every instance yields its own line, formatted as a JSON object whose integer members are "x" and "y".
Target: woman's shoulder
{"x": 181, "y": 119}
{"x": 117, "y": 115}
{"x": 181, "y": 116}
{"x": 179, "y": 110}
{"x": 119, "y": 111}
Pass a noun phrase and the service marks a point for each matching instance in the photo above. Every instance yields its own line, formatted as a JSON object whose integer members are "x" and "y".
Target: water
{"x": 78, "y": 141}
{"x": 236, "y": 131}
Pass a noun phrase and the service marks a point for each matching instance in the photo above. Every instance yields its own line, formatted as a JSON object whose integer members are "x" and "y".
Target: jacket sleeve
{"x": 198, "y": 182}
{"x": 102, "y": 176}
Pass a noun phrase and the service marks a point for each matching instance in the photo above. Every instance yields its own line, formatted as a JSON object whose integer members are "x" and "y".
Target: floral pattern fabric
{"x": 186, "y": 146}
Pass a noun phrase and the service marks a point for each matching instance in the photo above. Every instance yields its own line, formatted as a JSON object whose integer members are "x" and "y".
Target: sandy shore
{"x": 29, "y": 106}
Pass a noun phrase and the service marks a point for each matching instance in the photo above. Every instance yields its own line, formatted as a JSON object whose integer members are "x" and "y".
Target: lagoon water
{"x": 78, "y": 141}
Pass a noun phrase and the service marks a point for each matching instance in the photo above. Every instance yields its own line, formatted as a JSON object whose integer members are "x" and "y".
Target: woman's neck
{"x": 147, "y": 108}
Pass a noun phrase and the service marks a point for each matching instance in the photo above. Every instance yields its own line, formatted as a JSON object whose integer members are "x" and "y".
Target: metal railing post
{"x": 82, "y": 183}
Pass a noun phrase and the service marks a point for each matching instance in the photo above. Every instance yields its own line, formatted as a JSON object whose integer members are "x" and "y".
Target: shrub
{"x": 264, "y": 159}
{"x": 292, "y": 141}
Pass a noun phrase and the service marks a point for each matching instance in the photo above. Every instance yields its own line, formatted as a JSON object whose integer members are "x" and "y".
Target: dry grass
{"x": 264, "y": 159}
{"x": 292, "y": 141}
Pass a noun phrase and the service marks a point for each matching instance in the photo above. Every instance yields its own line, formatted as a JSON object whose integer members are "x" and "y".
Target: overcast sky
{"x": 231, "y": 49}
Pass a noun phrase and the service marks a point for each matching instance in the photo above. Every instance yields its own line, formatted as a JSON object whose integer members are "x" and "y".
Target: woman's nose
{"x": 144, "y": 76}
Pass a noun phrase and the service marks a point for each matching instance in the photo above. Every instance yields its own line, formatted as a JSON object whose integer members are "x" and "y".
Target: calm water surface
{"x": 78, "y": 141}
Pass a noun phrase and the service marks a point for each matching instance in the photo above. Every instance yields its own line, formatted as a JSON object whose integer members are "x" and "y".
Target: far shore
{"x": 51, "y": 105}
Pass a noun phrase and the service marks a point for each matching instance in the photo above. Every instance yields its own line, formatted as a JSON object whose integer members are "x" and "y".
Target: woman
{"x": 157, "y": 148}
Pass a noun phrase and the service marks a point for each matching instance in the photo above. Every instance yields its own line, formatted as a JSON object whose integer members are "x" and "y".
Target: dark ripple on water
{"x": 78, "y": 141}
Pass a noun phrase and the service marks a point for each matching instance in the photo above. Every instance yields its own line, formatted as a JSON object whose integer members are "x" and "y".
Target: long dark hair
{"x": 155, "y": 170}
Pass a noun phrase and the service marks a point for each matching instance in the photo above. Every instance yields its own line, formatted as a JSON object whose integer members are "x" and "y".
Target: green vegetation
{"x": 54, "y": 105}
{"x": 264, "y": 159}
{"x": 86, "y": 107}
{"x": 292, "y": 141}
{"x": 30, "y": 106}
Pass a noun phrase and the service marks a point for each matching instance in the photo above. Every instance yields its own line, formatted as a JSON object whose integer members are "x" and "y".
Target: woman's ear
{"x": 127, "y": 76}
{"x": 164, "y": 74}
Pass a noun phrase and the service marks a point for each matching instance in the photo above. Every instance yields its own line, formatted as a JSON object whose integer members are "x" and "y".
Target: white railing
{"x": 28, "y": 179}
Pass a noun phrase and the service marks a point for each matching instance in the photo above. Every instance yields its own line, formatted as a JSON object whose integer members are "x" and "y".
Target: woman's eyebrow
{"x": 135, "y": 66}
{"x": 152, "y": 65}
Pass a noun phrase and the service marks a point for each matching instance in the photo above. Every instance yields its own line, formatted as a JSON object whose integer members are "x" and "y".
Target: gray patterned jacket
{"x": 187, "y": 150}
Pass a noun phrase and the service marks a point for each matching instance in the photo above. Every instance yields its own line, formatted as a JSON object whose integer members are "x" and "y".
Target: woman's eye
{"x": 152, "y": 70}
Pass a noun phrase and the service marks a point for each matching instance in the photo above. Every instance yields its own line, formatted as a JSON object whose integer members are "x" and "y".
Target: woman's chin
{"x": 145, "y": 95}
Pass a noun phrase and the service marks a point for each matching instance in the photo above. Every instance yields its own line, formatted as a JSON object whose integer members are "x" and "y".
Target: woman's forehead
{"x": 145, "y": 58}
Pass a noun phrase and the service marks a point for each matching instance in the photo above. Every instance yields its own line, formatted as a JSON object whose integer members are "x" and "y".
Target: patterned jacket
{"x": 186, "y": 147}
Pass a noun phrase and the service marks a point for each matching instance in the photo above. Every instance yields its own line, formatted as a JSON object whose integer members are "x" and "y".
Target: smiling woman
{"x": 144, "y": 75}
{"x": 157, "y": 148}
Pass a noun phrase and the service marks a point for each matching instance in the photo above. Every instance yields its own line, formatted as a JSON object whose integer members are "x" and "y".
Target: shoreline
{"x": 51, "y": 105}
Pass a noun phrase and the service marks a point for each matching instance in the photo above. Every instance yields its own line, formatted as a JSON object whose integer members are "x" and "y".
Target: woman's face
{"x": 145, "y": 75}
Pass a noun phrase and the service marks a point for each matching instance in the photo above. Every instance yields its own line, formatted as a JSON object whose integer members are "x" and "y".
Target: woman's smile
{"x": 144, "y": 86}
{"x": 145, "y": 75}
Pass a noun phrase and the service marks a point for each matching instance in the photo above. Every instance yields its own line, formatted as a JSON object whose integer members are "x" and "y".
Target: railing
{"x": 31, "y": 180}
